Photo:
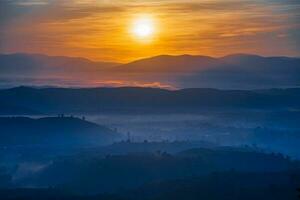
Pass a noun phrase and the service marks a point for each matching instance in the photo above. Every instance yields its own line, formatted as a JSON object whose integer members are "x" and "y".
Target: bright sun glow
{"x": 143, "y": 27}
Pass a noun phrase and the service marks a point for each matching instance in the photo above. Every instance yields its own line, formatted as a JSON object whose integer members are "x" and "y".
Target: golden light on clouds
{"x": 115, "y": 30}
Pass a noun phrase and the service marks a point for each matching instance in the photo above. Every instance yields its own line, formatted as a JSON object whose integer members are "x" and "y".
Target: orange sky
{"x": 100, "y": 29}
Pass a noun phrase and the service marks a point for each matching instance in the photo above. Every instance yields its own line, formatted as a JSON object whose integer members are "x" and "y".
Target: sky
{"x": 103, "y": 29}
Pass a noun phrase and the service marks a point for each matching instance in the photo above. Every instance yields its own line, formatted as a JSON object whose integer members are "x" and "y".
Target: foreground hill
{"x": 98, "y": 100}
{"x": 58, "y": 131}
{"x": 227, "y": 186}
{"x": 238, "y": 71}
{"x": 109, "y": 173}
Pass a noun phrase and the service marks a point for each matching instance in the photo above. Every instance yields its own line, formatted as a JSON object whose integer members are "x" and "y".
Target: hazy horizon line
{"x": 41, "y": 87}
{"x": 148, "y": 57}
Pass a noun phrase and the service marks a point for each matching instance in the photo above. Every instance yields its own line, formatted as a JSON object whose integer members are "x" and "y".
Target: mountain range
{"x": 134, "y": 99}
{"x": 238, "y": 71}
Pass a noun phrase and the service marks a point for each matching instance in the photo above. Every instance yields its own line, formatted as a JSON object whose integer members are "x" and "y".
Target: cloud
{"x": 30, "y": 2}
{"x": 98, "y": 29}
{"x": 77, "y": 83}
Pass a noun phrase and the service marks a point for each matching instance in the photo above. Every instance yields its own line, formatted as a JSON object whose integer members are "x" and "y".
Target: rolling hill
{"x": 238, "y": 71}
{"x": 39, "y": 64}
{"x": 129, "y": 99}
{"x": 53, "y": 131}
{"x": 170, "y": 64}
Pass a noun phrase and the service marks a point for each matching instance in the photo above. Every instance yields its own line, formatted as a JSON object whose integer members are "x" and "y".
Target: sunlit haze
{"x": 128, "y": 30}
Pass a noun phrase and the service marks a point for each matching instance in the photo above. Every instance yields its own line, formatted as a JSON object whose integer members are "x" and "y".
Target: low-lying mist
{"x": 271, "y": 130}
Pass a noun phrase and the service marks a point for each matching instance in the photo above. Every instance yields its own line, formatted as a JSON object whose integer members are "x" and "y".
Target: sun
{"x": 143, "y": 28}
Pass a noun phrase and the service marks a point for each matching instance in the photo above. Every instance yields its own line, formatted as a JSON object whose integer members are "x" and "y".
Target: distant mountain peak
{"x": 235, "y": 71}
{"x": 241, "y": 56}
